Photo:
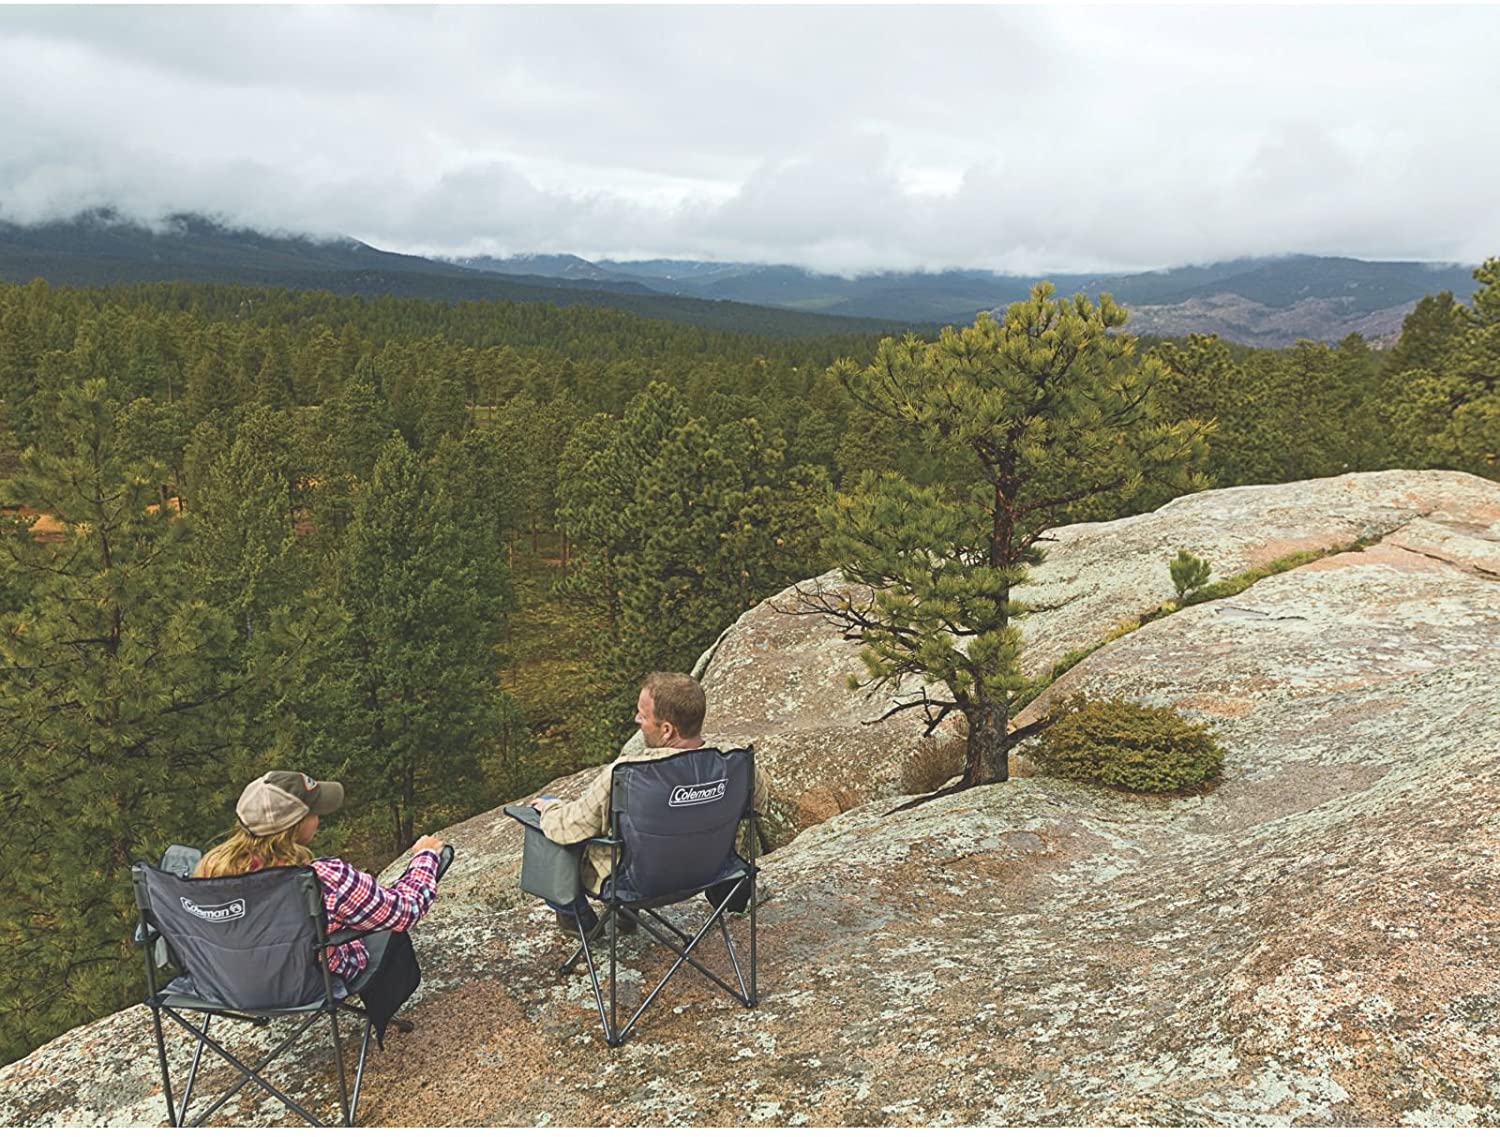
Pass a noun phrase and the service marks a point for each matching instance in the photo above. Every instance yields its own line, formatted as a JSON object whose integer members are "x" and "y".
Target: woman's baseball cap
{"x": 280, "y": 799}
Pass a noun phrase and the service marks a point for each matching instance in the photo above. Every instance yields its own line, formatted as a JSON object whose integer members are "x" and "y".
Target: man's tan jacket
{"x": 588, "y": 816}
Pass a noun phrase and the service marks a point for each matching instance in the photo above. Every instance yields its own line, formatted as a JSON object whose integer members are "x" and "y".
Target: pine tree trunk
{"x": 398, "y": 829}
{"x": 988, "y": 755}
{"x": 408, "y": 795}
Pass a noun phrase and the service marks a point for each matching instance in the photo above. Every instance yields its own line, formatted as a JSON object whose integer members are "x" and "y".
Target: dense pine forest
{"x": 428, "y": 548}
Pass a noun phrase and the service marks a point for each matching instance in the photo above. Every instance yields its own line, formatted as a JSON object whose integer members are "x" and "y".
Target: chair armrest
{"x": 526, "y": 815}
{"x": 144, "y": 934}
{"x": 347, "y": 936}
{"x": 530, "y": 818}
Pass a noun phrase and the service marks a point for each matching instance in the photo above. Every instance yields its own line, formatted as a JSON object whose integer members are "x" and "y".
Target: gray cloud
{"x": 843, "y": 138}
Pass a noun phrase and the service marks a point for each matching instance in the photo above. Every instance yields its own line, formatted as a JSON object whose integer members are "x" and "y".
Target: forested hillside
{"x": 428, "y": 549}
{"x": 1265, "y": 301}
{"x": 101, "y": 248}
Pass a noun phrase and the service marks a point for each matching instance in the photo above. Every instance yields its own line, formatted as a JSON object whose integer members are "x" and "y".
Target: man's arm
{"x": 587, "y": 816}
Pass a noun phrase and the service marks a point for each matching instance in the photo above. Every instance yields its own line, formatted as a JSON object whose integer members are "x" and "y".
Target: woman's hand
{"x": 427, "y": 844}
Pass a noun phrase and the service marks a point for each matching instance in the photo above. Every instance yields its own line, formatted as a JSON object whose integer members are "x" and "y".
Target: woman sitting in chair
{"x": 278, "y": 816}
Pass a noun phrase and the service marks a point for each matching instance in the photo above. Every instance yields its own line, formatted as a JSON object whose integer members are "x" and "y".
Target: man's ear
{"x": 668, "y": 732}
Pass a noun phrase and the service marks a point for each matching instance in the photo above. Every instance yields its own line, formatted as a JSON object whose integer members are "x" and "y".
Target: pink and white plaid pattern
{"x": 356, "y": 900}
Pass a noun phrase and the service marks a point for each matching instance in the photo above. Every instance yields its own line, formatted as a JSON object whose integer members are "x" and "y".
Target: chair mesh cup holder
{"x": 674, "y": 824}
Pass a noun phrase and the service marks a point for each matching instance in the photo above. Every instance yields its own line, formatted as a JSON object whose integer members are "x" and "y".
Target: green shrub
{"x": 1117, "y": 743}
{"x": 1189, "y": 573}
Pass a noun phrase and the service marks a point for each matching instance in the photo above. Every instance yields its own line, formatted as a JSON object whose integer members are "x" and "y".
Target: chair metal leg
{"x": 754, "y": 905}
{"x": 359, "y": 1070}
{"x": 678, "y": 962}
{"x": 166, "y": 1077}
{"x": 747, "y": 995}
{"x": 612, "y": 1035}
{"x": 187, "y": 1091}
{"x": 572, "y": 961}
{"x": 688, "y": 959}
{"x": 734, "y": 961}
{"x": 588, "y": 958}
{"x": 678, "y": 932}
{"x": 338, "y": 1060}
{"x": 247, "y": 1074}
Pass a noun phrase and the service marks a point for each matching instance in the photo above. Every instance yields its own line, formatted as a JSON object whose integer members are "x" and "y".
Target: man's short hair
{"x": 677, "y": 699}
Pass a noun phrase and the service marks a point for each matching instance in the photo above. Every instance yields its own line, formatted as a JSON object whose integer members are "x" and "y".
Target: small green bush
{"x": 1189, "y": 573}
{"x": 1113, "y": 742}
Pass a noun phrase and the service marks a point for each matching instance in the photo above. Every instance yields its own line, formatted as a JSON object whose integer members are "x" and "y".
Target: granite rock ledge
{"x": 1316, "y": 941}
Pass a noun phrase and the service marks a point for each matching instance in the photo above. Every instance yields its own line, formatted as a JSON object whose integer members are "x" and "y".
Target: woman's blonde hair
{"x": 244, "y": 852}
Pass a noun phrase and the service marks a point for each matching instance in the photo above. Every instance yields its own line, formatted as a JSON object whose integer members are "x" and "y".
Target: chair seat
{"x": 733, "y": 868}
{"x": 182, "y": 995}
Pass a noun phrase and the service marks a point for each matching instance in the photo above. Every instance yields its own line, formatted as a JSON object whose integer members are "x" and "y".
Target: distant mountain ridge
{"x": 563, "y": 266}
{"x": 101, "y": 248}
{"x": 1266, "y": 302}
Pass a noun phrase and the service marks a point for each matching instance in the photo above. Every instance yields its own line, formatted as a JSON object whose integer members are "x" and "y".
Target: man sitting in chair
{"x": 670, "y": 712}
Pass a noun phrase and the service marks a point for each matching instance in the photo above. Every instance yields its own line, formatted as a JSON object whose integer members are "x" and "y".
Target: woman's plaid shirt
{"x": 357, "y": 901}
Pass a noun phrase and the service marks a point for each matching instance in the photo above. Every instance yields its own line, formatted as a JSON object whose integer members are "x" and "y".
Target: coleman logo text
{"x": 216, "y": 915}
{"x": 700, "y": 794}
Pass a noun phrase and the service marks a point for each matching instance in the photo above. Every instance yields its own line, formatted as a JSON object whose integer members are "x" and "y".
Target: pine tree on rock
{"x": 1057, "y": 417}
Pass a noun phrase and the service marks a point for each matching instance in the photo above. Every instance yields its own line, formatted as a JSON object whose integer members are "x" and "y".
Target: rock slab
{"x": 1316, "y": 941}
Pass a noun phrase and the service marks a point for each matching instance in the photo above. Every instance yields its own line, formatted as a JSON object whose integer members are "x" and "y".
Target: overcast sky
{"x": 840, "y": 138}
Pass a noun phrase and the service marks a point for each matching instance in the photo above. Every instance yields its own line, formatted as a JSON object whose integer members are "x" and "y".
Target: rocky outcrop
{"x": 1100, "y": 574}
{"x": 1314, "y": 941}
{"x": 777, "y": 678}
{"x": 1245, "y": 321}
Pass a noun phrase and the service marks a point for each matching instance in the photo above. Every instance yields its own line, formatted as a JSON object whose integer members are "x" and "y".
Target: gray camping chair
{"x": 674, "y": 822}
{"x": 252, "y": 948}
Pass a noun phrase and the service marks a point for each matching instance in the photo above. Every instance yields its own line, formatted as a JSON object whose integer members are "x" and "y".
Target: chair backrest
{"x": 678, "y": 816}
{"x": 246, "y": 941}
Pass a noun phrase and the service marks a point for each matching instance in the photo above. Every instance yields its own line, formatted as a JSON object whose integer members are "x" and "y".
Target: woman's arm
{"x": 357, "y": 901}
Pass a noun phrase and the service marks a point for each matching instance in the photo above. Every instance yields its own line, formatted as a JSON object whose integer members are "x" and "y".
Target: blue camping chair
{"x": 673, "y": 825}
{"x": 251, "y": 947}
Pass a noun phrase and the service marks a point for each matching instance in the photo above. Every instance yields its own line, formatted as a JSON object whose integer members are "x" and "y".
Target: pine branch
{"x": 944, "y": 708}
